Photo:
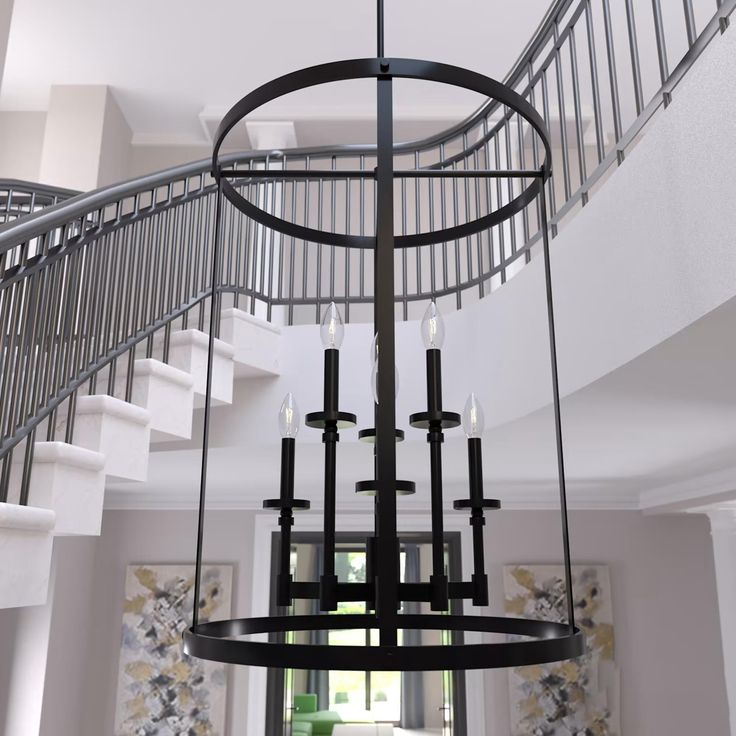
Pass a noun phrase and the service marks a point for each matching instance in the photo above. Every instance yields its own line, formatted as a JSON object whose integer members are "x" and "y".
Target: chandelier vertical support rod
{"x": 556, "y": 401}
{"x": 380, "y": 29}
{"x": 387, "y": 548}
{"x": 214, "y": 298}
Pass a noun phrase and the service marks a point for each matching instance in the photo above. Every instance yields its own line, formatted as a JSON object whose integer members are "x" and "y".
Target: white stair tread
{"x": 27, "y": 518}
{"x": 153, "y": 367}
{"x": 66, "y": 454}
{"x": 257, "y": 343}
{"x": 202, "y": 340}
{"x": 104, "y": 404}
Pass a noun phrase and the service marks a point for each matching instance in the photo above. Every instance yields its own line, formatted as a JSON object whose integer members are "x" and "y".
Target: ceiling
{"x": 176, "y": 64}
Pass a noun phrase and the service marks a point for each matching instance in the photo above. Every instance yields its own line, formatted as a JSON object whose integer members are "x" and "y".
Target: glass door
{"x": 420, "y": 703}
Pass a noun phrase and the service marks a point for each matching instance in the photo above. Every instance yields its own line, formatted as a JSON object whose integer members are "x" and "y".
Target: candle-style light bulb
{"x": 289, "y": 417}
{"x": 473, "y": 419}
{"x": 374, "y": 381}
{"x": 433, "y": 328}
{"x": 332, "y": 329}
{"x": 374, "y": 349}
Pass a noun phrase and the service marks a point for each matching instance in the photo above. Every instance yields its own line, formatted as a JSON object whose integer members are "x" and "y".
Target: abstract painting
{"x": 578, "y": 697}
{"x": 161, "y": 691}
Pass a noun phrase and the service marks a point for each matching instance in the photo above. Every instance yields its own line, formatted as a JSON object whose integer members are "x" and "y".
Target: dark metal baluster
{"x": 404, "y": 256}
{"x": 578, "y": 114}
{"x": 443, "y": 219}
{"x": 613, "y": 81}
{"x": 499, "y": 203}
{"x": 664, "y": 72}
{"x": 419, "y": 251}
{"x": 25, "y": 484}
{"x": 634, "y": 50}
{"x": 509, "y": 181}
{"x": 563, "y": 118}
{"x": 292, "y": 259}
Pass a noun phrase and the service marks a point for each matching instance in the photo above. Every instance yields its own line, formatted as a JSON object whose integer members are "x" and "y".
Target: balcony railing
{"x": 90, "y": 284}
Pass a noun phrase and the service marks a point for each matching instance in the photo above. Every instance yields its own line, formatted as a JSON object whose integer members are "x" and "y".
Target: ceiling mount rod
{"x": 379, "y": 34}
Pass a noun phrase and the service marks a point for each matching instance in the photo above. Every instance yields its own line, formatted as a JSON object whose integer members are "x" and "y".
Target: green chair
{"x": 301, "y": 728}
{"x": 305, "y": 712}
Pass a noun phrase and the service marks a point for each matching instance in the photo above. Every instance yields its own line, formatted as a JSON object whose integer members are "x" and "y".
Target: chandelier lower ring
{"x": 381, "y": 69}
{"x": 551, "y": 642}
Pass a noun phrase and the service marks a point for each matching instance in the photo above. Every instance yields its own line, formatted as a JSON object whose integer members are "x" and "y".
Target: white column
{"x": 87, "y": 140}
{"x": 28, "y": 670}
{"x": 723, "y": 531}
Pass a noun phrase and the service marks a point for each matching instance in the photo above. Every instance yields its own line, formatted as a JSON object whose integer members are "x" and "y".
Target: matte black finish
{"x": 392, "y": 68}
{"x": 370, "y": 487}
{"x": 369, "y": 435}
{"x": 553, "y": 642}
{"x": 383, "y": 591}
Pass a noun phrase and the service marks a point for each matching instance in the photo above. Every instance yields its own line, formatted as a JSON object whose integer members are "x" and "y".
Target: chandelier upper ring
{"x": 382, "y": 68}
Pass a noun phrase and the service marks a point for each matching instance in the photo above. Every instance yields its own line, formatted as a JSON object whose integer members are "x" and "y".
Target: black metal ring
{"x": 319, "y": 420}
{"x": 295, "y": 504}
{"x": 359, "y": 69}
{"x": 552, "y": 642}
{"x": 463, "y": 504}
{"x": 369, "y": 435}
{"x": 370, "y": 487}
{"x": 425, "y": 420}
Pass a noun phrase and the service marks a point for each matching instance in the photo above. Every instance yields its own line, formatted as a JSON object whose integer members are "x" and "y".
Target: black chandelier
{"x": 528, "y": 641}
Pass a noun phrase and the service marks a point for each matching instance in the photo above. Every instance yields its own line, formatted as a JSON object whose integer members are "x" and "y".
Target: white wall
{"x": 166, "y": 537}
{"x": 663, "y": 589}
{"x": 21, "y": 140}
{"x": 665, "y": 611}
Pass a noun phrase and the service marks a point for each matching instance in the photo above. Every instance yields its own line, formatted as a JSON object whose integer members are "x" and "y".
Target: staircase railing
{"x": 21, "y": 198}
{"x": 89, "y": 284}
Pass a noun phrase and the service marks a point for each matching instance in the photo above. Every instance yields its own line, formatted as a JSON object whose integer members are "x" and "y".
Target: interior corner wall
{"x": 665, "y": 611}
{"x": 86, "y": 141}
{"x": 115, "y": 145}
{"x": 71, "y": 146}
{"x": 154, "y": 537}
{"x": 6, "y": 14}
{"x": 21, "y": 142}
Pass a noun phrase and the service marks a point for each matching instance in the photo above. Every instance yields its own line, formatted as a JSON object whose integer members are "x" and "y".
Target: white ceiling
{"x": 172, "y": 61}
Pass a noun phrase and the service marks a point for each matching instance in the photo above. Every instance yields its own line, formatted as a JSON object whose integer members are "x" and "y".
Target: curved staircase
{"x": 104, "y": 296}
{"x": 112, "y": 439}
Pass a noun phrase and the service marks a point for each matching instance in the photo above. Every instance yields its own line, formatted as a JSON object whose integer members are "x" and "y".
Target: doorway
{"x": 404, "y": 703}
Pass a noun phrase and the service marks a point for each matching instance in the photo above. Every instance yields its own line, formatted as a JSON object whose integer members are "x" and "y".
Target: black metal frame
{"x": 384, "y": 591}
{"x": 275, "y": 680}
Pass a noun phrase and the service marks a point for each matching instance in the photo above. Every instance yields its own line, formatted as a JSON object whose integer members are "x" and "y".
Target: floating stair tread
{"x": 202, "y": 340}
{"x": 104, "y": 404}
{"x": 26, "y": 518}
{"x": 66, "y": 454}
{"x": 153, "y": 367}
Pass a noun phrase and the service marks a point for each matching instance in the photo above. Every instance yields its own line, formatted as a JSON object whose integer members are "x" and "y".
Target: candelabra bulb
{"x": 289, "y": 417}
{"x": 433, "y": 327}
{"x": 332, "y": 329}
{"x": 473, "y": 419}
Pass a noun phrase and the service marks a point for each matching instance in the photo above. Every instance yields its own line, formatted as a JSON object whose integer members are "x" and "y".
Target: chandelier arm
{"x": 214, "y": 301}
{"x": 557, "y": 412}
